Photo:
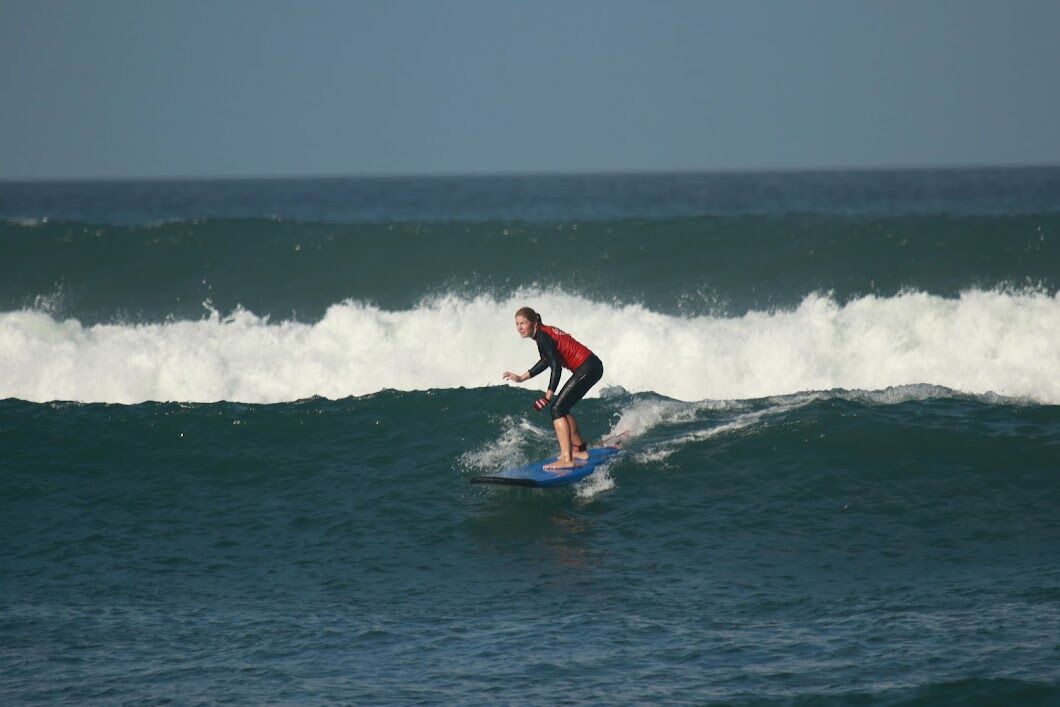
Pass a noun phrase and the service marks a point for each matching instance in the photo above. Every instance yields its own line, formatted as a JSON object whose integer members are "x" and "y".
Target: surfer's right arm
{"x": 549, "y": 359}
{"x": 521, "y": 377}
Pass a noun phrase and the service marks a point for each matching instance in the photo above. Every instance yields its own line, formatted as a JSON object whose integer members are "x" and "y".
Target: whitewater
{"x": 1002, "y": 341}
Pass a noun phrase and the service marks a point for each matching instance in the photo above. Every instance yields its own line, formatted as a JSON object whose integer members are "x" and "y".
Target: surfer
{"x": 559, "y": 350}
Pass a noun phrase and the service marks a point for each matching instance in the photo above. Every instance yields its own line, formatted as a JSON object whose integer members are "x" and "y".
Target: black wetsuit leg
{"x": 584, "y": 378}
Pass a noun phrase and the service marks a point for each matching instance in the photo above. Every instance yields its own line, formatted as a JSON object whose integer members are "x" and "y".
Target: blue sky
{"x": 235, "y": 88}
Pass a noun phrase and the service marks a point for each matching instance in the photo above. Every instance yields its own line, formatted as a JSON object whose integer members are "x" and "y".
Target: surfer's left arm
{"x": 546, "y": 346}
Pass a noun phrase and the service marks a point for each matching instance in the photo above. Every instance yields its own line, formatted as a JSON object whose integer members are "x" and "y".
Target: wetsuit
{"x": 558, "y": 350}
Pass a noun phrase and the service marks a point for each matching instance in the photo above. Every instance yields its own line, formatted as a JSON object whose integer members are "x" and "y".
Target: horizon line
{"x": 970, "y": 167}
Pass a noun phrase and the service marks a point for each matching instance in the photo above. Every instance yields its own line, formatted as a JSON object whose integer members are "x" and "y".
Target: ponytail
{"x": 529, "y": 314}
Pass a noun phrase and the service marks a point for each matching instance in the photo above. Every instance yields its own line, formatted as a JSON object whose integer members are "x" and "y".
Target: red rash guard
{"x": 571, "y": 353}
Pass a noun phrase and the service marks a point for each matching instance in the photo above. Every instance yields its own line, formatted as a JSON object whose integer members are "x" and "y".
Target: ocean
{"x": 238, "y": 420}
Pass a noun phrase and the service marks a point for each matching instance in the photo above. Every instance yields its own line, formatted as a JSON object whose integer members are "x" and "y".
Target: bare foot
{"x": 560, "y": 464}
{"x": 581, "y": 455}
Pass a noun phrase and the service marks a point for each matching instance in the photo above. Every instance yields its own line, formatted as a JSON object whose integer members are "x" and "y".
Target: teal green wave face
{"x": 347, "y": 529}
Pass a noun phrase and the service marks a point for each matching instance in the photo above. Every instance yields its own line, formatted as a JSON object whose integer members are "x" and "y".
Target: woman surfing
{"x": 558, "y": 349}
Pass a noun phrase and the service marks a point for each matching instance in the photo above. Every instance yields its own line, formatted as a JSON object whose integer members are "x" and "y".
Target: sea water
{"x": 238, "y": 420}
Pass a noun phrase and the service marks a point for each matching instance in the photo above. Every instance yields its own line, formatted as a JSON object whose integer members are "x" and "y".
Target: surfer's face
{"x": 524, "y": 327}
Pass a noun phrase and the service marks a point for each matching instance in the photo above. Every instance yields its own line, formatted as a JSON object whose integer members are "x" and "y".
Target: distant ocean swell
{"x": 998, "y": 341}
{"x": 691, "y": 266}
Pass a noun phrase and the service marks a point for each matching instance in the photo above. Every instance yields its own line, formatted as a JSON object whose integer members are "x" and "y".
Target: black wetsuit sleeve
{"x": 549, "y": 359}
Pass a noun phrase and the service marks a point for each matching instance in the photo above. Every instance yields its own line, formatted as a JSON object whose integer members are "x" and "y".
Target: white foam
{"x": 26, "y": 222}
{"x": 508, "y": 450}
{"x": 983, "y": 342}
{"x": 659, "y": 451}
{"x": 642, "y": 415}
{"x": 596, "y": 483}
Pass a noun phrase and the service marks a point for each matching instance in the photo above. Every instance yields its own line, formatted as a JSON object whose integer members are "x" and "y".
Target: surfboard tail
{"x": 616, "y": 440}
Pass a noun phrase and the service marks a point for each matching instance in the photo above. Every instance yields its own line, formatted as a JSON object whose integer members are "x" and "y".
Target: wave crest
{"x": 984, "y": 341}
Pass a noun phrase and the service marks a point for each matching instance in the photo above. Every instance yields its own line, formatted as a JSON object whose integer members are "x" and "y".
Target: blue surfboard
{"x": 534, "y": 474}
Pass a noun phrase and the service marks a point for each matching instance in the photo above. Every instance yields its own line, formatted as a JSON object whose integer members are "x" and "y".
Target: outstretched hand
{"x": 516, "y": 377}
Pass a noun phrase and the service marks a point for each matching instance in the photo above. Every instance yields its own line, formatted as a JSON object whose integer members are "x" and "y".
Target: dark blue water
{"x": 539, "y": 197}
{"x": 235, "y": 450}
